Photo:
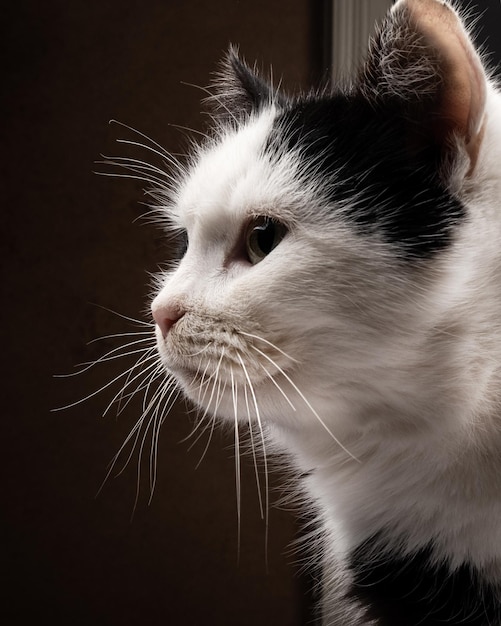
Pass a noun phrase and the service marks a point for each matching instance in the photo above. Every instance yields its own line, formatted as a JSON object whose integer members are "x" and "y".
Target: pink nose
{"x": 165, "y": 317}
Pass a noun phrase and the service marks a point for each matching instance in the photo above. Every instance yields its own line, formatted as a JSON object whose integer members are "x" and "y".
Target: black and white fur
{"x": 364, "y": 340}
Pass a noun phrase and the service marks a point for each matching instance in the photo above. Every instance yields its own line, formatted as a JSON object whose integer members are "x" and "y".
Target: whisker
{"x": 94, "y": 393}
{"x": 253, "y": 448}
{"x": 202, "y": 384}
{"x": 130, "y": 176}
{"x": 170, "y": 159}
{"x": 212, "y": 425}
{"x": 119, "y": 335}
{"x": 272, "y": 345}
{"x": 109, "y": 357}
{"x": 161, "y": 176}
{"x": 234, "y": 395}
{"x": 123, "y": 161}
{"x": 146, "y": 385}
{"x": 196, "y": 373}
{"x": 219, "y": 397}
{"x": 150, "y": 325}
{"x": 141, "y": 373}
{"x": 215, "y": 377}
{"x": 139, "y": 459}
{"x": 278, "y": 387}
{"x": 265, "y": 461}
{"x": 166, "y": 410}
{"x": 305, "y": 400}
{"x": 204, "y": 349}
{"x": 126, "y": 398}
{"x": 135, "y": 432}
{"x": 148, "y": 380}
{"x": 163, "y": 151}
{"x": 190, "y": 130}
{"x": 160, "y": 413}
{"x": 106, "y": 357}
{"x": 155, "y": 437}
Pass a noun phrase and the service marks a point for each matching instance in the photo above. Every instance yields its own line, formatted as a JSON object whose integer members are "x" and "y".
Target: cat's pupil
{"x": 182, "y": 246}
{"x": 264, "y": 235}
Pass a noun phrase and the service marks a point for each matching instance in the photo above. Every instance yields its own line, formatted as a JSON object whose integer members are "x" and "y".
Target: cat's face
{"x": 277, "y": 295}
{"x": 320, "y": 234}
{"x": 249, "y": 293}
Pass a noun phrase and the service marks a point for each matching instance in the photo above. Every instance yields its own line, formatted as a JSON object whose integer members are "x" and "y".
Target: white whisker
{"x": 305, "y": 400}
{"x": 234, "y": 395}
{"x": 265, "y": 460}
{"x": 94, "y": 393}
{"x": 134, "y": 165}
{"x": 269, "y": 343}
{"x": 123, "y": 161}
{"x": 135, "y": 434}
{"x": 141, "y": 373}
{"x": 164, "y": 155}
{"x": 217, "y": 382}
{"x": 253, "y": 448}
{"x": 160, "y": 414}
{"x": 107, "y": 357}
{"x": 204, "y": 349}
{"x": 139, "y": 459}
{"x": 125, "y": 317}
{"x": 278, "y": 387}
{"x": 119, "y": 335}
{"x": 215, "y": 377}
{"x": 202, "y": 384}
{"x": 130, "y": 176}
{"x": 163, "y": 151}
{"x": 190, "y": 130}
{"x": 148, "y": 380}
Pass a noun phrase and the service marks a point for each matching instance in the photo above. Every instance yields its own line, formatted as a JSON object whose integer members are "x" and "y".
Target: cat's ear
{"x": 424, "y": 61}
{"x": 238, "y": 90}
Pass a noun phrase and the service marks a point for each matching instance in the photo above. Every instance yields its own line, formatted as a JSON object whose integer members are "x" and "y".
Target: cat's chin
{"x": 230, "y": 399}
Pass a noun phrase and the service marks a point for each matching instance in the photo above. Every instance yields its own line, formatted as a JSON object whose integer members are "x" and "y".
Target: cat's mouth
{"x": 202, "y": 353}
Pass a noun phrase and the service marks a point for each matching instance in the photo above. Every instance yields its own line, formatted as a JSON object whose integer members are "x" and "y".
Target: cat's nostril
{"x": 166, "y": 317}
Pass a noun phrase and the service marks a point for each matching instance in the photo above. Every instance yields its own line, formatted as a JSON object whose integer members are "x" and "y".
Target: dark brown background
{"x": 70, "y": 242}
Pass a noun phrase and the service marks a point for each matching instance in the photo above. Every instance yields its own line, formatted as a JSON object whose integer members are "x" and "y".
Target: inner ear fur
{"x": 424, "y": 58}
{"x": 462, "y": 96}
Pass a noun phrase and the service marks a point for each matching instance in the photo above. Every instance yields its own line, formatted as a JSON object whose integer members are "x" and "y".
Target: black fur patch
{"x": 400, "y": 591}
{"x": 380, "y": 166}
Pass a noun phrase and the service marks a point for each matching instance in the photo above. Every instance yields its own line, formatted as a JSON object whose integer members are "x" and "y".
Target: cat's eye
{"x": 263, "y": 235}
{"x": 182, "y": 244}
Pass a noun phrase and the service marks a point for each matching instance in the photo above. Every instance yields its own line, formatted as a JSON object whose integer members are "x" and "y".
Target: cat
{"x": 340, "y": 291}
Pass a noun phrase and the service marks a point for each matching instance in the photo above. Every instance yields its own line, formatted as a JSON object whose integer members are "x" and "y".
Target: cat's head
{"x": 322, "y": 233}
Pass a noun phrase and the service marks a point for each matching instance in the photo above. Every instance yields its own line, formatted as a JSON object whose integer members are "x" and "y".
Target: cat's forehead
{"x": 238, "y": 176}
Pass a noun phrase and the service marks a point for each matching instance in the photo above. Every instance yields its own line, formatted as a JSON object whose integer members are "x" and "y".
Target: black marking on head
{"x": 375, "y": 166}
{"x": 411, "y": 590}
